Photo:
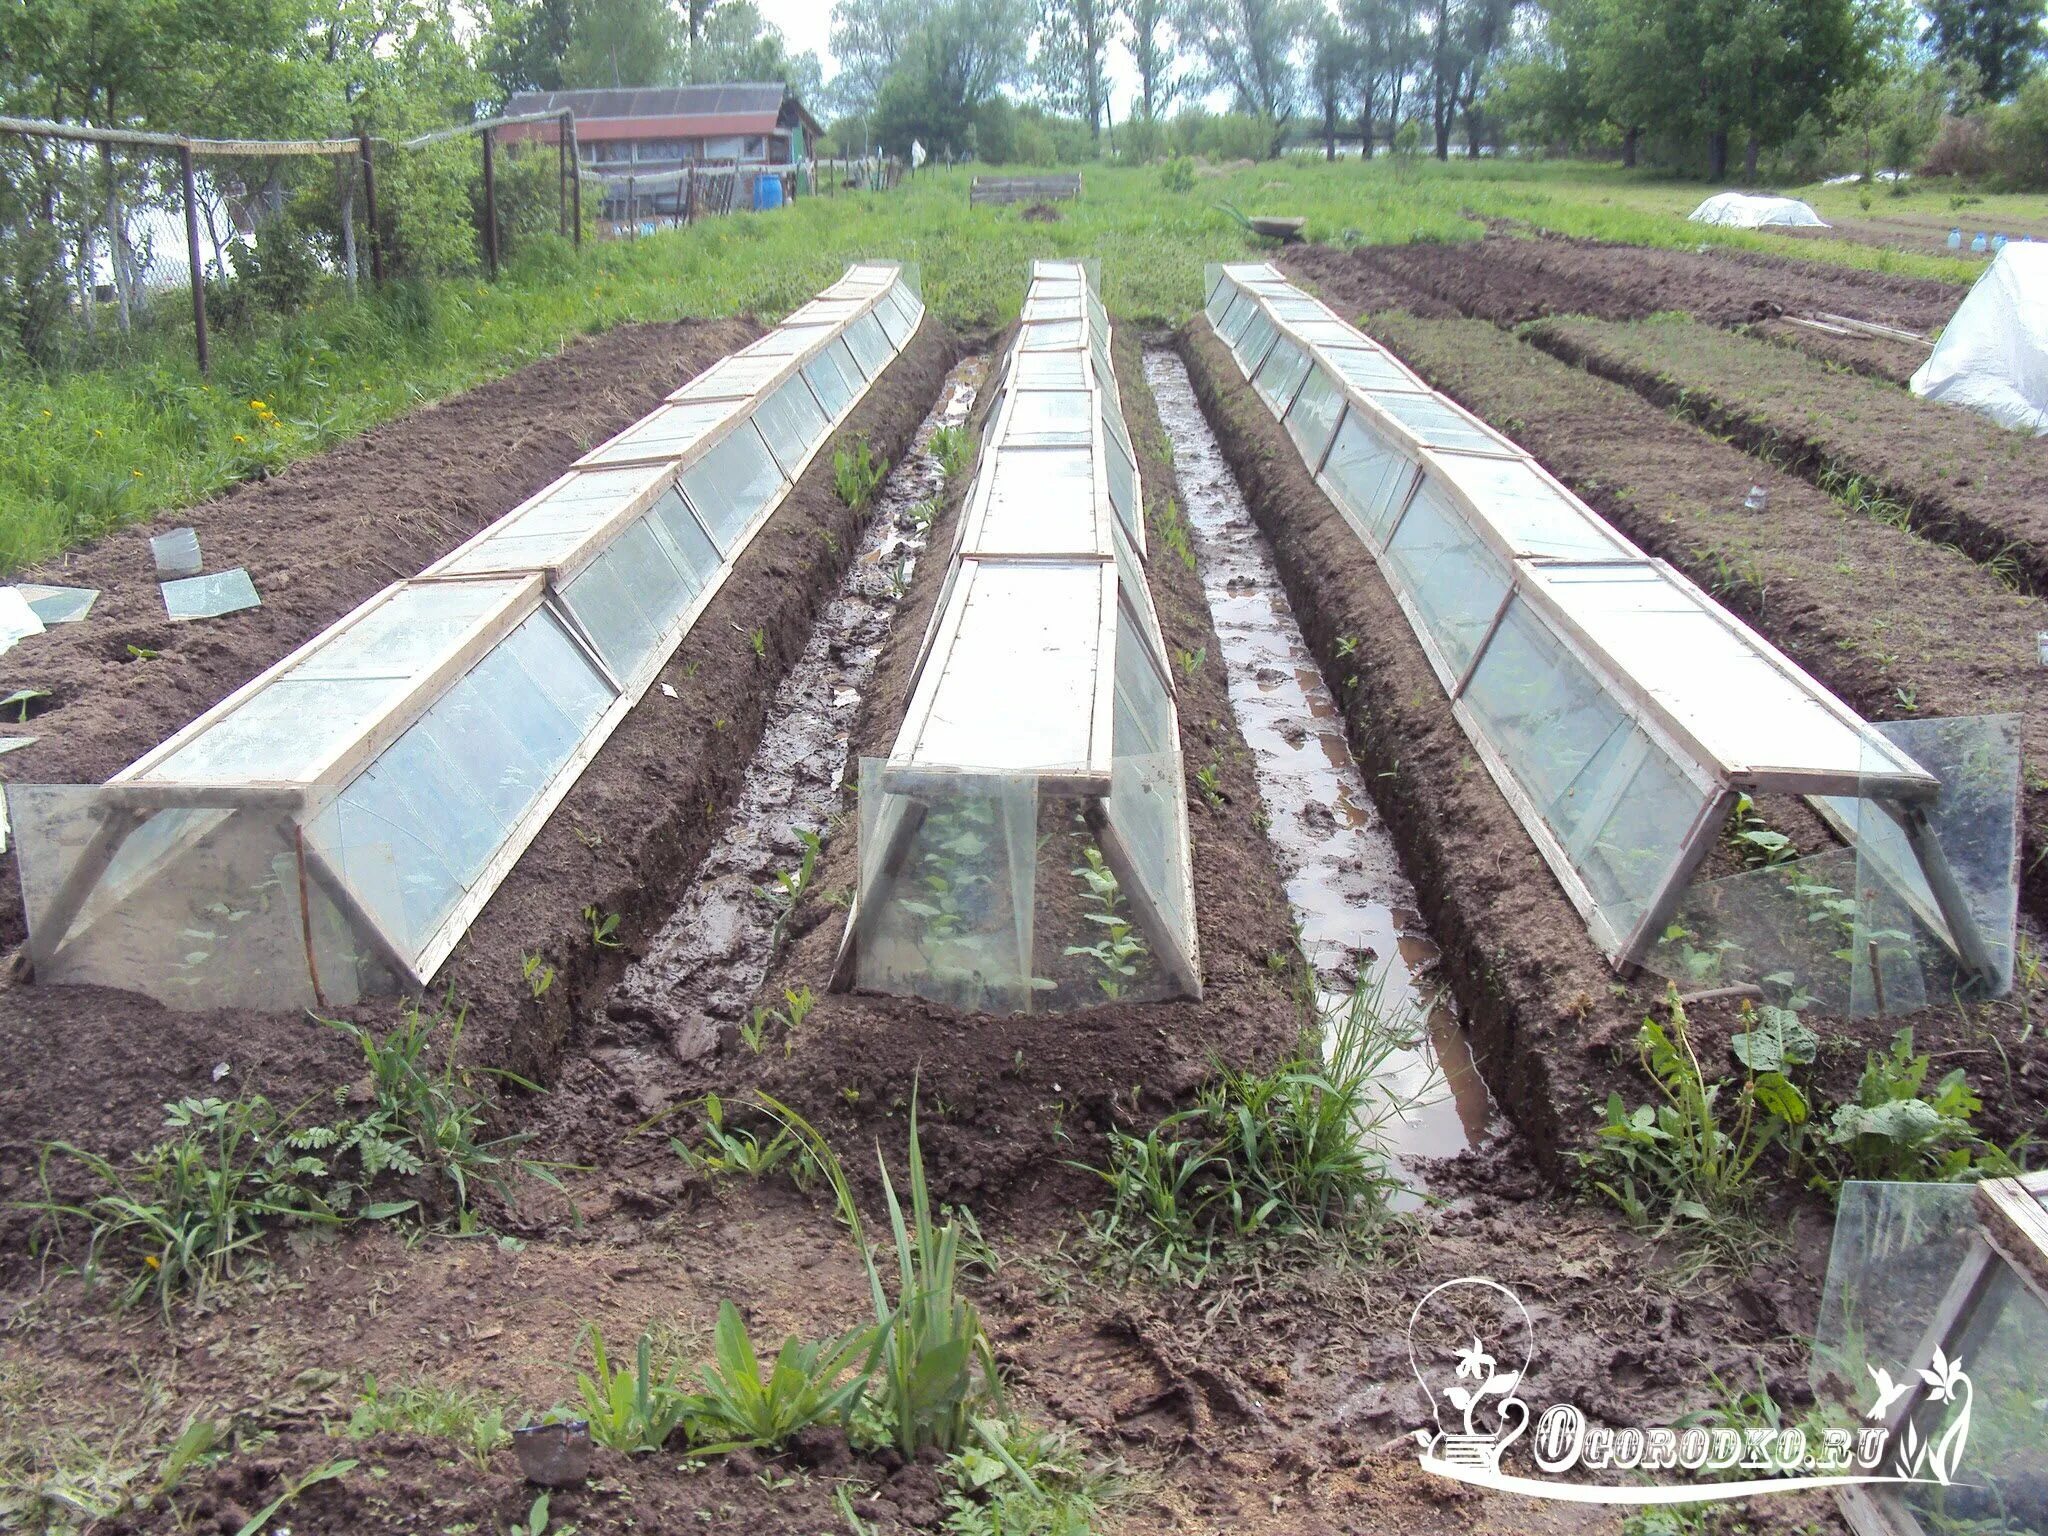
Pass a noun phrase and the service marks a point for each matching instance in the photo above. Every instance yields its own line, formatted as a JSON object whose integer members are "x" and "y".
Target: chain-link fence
{"x": 108, "y": 235}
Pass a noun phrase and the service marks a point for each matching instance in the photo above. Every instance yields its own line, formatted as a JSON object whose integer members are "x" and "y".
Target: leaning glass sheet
{"x": 330, "y": 829}
{"x": 1037, "y": 775}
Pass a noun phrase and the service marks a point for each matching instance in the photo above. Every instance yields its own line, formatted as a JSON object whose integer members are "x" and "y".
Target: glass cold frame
{"x": 1042, "y": 672}
{"x": 369, "y": 792}
{"x": 1613, "y": 745}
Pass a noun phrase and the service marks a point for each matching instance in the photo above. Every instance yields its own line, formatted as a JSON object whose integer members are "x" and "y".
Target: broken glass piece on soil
{"x": 59, "y": 605}
{"x": 208, "y": 597}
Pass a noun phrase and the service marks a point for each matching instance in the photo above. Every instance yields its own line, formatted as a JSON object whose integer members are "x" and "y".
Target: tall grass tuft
{"x": 1265, "y": 1159}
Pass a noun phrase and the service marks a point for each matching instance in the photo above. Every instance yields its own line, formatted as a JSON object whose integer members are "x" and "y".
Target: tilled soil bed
{"x": 624, "y": 839}
{"x": 1512, "y": 278}
{"x": 1275, "y": 1399}
{"x": 1960, "y": 477}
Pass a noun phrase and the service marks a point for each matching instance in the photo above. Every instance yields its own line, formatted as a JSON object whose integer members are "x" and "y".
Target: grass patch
{"x": 1264, "y": 1160}
{"x": 92, "y": 451}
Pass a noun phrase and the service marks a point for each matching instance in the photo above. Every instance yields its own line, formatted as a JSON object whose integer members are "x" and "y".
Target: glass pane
{"x": 1282, "y": 371}
{"x": 176, "y": 552}
{"x": 829, "y": 383}
{"x": 1368, "y": 478}
{"x": 1314, "y": 413}
{"x": 58, "y": 605}
{"x": 791, "y": 421}
{"x": 731, "y": 484}
{"x": 210, "y": 597}
{"x": 1040, "y": 501}
{"x": 1534, "y": 516}
{"x": 629, "y": 597}
{"x": 1049, "y": 416}
{"x": 666, "y": 434}
{"x": 1455, "y": 582}
{"x": 1368, "y": 368}
{"x": 1251, "y": 347}
{"x": 1051, "y": 336}
{"x": 870, "y": 347}
{"x": 1123, "y": 489}
{"x": 1436, "y": 424}
{"x": 1242, "y": 307}
{"x": 946, "y": 893}
{"x": 687, "y": 539}
{"x": 895, "y": 325}
{"x": 284, "y": 734}
{"x": 1047, "y": 370}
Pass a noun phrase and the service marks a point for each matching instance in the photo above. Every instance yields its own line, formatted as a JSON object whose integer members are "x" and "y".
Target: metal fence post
{"x": 370, "y": 210}
{"x": 192, "y": 253}
{"x": 490, "y": 208}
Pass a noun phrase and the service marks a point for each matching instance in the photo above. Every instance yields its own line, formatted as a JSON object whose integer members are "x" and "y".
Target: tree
{"x": 923, "y": 69}
{"x": 1999, "y": 39}
{"x": 1713, "y": 68}
{"x": 624, "y": 42}
{"x": 523, "y": 43}
{"x": 1154, "y": 45}
{"x": 738, "y": 43}
{"x": 1249, "y": 47}
{"x": 1073, "y": 41}
{"x": 1333, "y": 66}
{"x": 1462, "y": 37}
{"x": 1384, "y": 35}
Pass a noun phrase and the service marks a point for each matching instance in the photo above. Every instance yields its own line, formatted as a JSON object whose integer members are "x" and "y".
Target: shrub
{"x": 1962, "y": 147}
{"x": 2019, "y": 136}
{"x": 1178, "y": 175}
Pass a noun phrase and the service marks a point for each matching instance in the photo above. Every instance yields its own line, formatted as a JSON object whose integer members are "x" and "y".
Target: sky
{"x": 808, "y": 24}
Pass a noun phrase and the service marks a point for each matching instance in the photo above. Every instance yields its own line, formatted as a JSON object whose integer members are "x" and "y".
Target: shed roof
{"x": 621, "y": 112}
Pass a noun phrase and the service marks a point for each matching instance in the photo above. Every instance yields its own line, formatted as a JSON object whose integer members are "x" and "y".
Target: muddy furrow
{"x": 1354, "y": 905}
{"x": 699, "y": 975}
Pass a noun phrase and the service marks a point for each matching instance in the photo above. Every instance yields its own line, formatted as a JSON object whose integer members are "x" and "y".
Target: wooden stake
{"x": 192, "y": 253}
{"x": 490, "y": 207}
{"x": 370, "y": 210}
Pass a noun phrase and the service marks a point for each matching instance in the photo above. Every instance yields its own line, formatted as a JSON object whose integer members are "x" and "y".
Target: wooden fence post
{"x": 575, "y": 180}
{"x": 561, "y": 178}
{"x": 370, "y": 209}
{"x": 192, "y": 253}
{"x": 490, "y": 208}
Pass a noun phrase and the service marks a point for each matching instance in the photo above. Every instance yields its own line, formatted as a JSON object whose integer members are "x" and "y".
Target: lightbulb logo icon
{"x": 1470, "y": 1342}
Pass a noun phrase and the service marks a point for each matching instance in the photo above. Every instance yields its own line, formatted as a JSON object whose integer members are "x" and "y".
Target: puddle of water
{"x": 1344, "y": 880}
{"x": 700, "y": 973}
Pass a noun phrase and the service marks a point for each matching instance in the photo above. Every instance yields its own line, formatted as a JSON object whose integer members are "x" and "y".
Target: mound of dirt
{"x": 1041, "y": 213}
{"x": 1509, "y": 279}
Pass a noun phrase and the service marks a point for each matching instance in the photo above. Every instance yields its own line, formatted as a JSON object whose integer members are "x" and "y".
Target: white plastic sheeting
{"x": 1746, "y": 210}
{"x": 1619, "y": 708}
{"x": 330, "y": 830}
{"x": 1993, "y": 355}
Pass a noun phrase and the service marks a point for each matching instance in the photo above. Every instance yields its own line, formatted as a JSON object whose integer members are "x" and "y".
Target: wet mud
{"x": 1354, "y": 904}
{"x": 698, "y": 978}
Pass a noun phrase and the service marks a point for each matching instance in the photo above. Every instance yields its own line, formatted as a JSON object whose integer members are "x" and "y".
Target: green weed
{"x": 1687, "y": 1161}
{"x": 792, "y": 886}
{"x": 808, "y": 1384}
{"x": 632, "y": 1408}
{"x": 603, "y": 926}
{"x": 951, "y": 447}
{"x": 471, "y": 1421}
{"x": 1900, "y": 1128}
{"x": 1121, "y": 948}
{"x": 736, "y": 1150}
{"x": 857, "y": 473}
{"x": 935, "y": 1371}
{"x": 1265, "y": 1159}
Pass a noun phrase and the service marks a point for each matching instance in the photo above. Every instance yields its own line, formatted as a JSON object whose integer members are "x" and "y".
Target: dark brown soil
{"x": 1540, "y": 1001}
{"x": 1007, "y": 1099}
{"x": 1040, "y": 213}
{"x": 1876, "y": 615}
{"x": 1275, "y": 1401}
{"x": 1892, "y": 361}
{"x": 1963, "y": 479}
{"x": 624, "y": 840}
{"x": 1512, "y": 278}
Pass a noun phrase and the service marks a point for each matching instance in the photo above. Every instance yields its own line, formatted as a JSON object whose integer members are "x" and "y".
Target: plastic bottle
{"x": 1955, "y": 239}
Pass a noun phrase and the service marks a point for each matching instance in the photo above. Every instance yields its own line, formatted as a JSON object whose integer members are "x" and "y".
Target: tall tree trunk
{"x": 1629, "y": 142}
{"x": 1717, "y": 155}
{"x": 1749, "y": 154}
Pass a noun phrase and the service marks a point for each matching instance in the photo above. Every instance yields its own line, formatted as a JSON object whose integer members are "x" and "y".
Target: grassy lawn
{"x": 90, "y": 451}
